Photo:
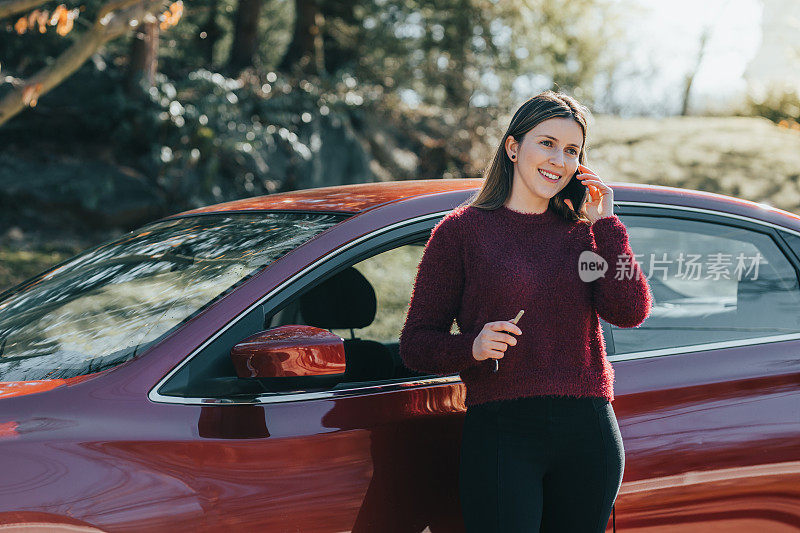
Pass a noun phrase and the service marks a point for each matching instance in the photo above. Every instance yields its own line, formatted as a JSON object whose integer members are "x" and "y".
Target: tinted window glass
{"x": 384, "y": 280}
{"x": 105, "y": 305}
{"x": 391, "y": 275}
{"x": 793, "y": 241}
{"x": 711, "y": 283}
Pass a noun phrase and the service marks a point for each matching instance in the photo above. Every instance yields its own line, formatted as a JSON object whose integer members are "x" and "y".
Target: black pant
{"x": 545, "y": 463}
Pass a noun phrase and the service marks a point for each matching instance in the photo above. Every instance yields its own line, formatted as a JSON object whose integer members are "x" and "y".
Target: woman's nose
{"x": 557, "y": 159}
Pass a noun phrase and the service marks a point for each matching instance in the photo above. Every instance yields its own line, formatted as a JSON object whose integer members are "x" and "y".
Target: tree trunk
{"x": 305, "y": 53}
{"x": 245, "y": 36}
{"x": 340, "y": 47}
{"x": 143, "y": 56}
{"x": 209, "y": 34}
{"x": 456, "y": 86}
{"x": 701, "y": 52}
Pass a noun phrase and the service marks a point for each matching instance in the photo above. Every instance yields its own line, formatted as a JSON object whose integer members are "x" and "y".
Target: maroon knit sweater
{"x": 482, "y": 265}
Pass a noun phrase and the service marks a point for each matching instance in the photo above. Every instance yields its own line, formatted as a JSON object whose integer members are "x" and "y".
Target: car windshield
{"x": 109, "y": 303}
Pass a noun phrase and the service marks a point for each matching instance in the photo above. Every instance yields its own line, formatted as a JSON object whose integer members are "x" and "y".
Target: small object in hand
{"x": 513, "y": 321}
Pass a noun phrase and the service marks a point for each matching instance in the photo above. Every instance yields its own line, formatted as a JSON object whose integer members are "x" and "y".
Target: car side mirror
{"x": 291, "y": 355}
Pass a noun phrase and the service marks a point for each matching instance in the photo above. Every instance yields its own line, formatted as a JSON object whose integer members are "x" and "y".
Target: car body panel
{"x": 707, "y": 433}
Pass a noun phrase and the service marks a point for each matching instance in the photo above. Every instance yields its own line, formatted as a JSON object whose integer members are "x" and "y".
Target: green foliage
{"x": 198, "y": 139}
{"x": 450, "y": 54}
{"x": 181, "y": 47}
{"x": 211, "y": 138}
{"x": 455, "y": 53}
{"x": 432, "y": 76}
{"x": 567, "y": 42}
{"x": 438, "y": 50}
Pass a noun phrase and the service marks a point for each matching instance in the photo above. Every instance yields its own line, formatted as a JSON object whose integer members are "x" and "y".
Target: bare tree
{"x": 116, "y": 18}
{"x": 705, "y": 36}
{"x": 701, "y": 52}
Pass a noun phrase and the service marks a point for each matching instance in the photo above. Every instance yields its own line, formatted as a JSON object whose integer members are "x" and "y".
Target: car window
{"x": 391, "y": 275}
{"x": 710, "y": 282}
{"x": 109, "y": 303}
{"x": 366, "y": 304}
{"x": 793, "y": 240}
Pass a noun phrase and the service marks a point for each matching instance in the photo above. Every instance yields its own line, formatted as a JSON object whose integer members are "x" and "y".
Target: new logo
{"x": 591, "y": 266}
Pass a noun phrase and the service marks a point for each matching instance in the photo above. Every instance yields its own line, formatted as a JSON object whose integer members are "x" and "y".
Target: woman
{"x": 541, "y": 447}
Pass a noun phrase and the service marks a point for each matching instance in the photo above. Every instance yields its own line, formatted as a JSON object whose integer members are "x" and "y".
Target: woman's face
{"x": 546, "y": 159}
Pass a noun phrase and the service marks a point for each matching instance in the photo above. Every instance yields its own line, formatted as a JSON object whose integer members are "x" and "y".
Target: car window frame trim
{"x": 298, "y": 396}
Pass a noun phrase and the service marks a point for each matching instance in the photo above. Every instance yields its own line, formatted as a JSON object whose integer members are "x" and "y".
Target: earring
{"x": 513, "y": 157}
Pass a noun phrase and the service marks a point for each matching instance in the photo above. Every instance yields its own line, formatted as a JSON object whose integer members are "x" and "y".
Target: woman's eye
{"x": 547, "y": 143}
{"x": 572, "y": 151}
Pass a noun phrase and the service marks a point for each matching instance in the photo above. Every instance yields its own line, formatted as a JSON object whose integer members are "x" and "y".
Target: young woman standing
{"x": 541, "y": 447}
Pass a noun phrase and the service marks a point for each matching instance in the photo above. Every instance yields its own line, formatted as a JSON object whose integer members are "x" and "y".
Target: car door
{"x": 707, "y": 389}
{"x": 376, "y": 452}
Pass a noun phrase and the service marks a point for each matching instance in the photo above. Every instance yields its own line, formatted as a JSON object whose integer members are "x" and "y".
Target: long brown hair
{"x": 499, "y": 175}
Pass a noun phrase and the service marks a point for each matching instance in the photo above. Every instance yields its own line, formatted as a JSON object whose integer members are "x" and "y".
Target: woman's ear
{"x": 512, "y": 146}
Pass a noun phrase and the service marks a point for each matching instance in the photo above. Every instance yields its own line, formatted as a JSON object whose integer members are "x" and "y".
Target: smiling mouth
{"x": 549, "y": 176}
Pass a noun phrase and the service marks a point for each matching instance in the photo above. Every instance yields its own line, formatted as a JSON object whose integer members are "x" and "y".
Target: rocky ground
{"x": 745, "y": 157}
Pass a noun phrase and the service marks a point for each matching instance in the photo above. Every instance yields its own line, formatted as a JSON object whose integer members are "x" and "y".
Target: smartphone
{"x": 576, "y": 191}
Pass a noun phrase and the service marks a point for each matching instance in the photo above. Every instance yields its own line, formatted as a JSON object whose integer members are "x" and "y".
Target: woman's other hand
{"x": 601, "y": 197}
{"x": 491, "y": 342}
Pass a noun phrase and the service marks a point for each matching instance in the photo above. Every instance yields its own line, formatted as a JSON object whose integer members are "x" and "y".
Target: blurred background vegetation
{"x": 116, "y": 112}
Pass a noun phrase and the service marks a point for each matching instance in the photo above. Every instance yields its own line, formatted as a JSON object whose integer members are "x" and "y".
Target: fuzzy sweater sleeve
{"x": 426, "y": 344}
{"x": 622, "y": 296}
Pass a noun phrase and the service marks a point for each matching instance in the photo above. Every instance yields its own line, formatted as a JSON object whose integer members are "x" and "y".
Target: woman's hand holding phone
{"x": 491, "y": 342}
{"x": 601, "y": 197}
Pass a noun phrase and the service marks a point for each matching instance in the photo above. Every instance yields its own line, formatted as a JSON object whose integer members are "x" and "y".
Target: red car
{"x": 236, "y": 368}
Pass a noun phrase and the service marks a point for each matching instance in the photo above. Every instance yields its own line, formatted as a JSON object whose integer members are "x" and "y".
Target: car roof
{"x": 351, "y": 198}
{"x": 361, "y": 197}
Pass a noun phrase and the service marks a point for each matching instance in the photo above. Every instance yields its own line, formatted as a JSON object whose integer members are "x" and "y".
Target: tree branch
{"x": 115, "y": 5}
{"x": 106, "y": 28}
{"x": 12, "y": 7}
